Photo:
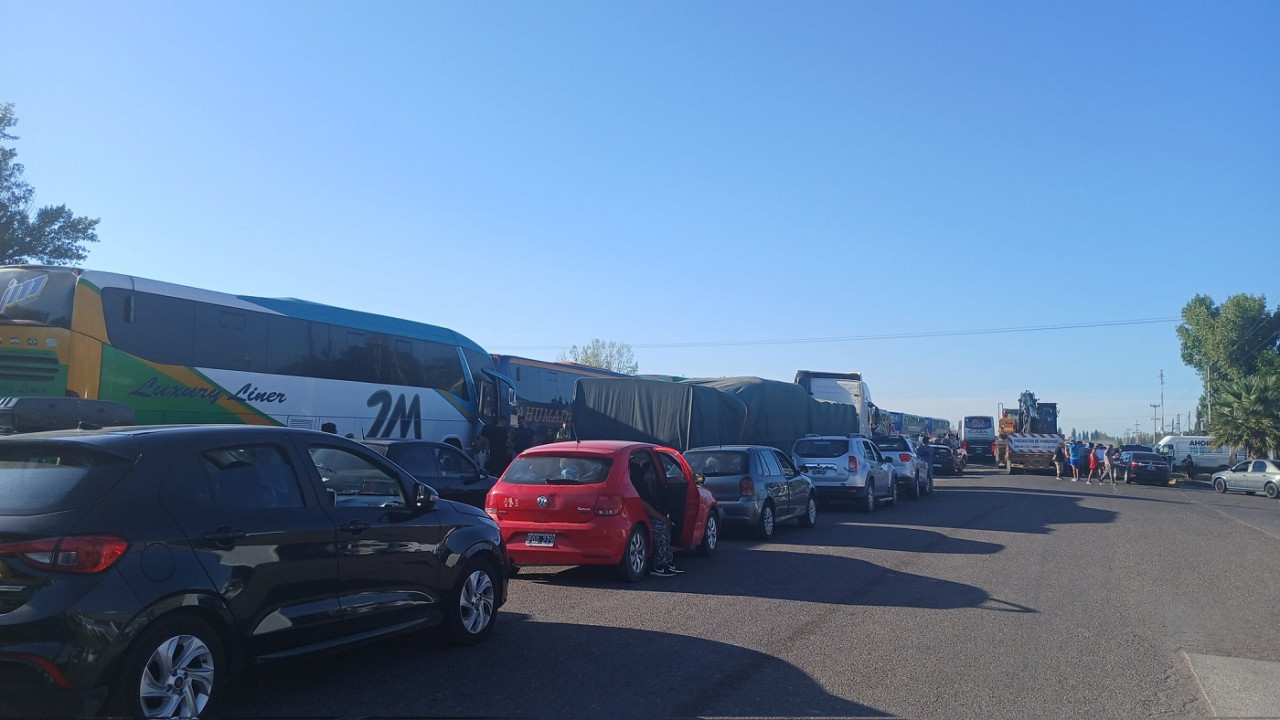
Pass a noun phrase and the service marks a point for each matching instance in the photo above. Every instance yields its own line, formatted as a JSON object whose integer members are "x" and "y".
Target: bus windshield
{"x": 39, "y": 296}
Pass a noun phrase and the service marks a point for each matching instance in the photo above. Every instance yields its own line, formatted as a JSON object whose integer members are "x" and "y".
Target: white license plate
{"x": 818, "y": 471}
{"x": 540, "y": 539}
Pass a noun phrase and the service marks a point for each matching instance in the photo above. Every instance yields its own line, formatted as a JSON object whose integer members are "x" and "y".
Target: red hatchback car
{"x": 573, "y": 503}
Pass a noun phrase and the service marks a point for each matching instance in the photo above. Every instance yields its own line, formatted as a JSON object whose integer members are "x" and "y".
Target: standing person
{"x": 1108, "y": 467}
{"x": 1077, "y": 460}
{"x": 646, "y": 484}
{"x": 480, "y": 452}
{"x": 1093, "y": 449}
{"x": 926, "y": 454}
{"x": 522, "y": 438}
{"x": 1059, "y": 459}
{"x": 565, "y": 432}
{"x": 1190, "y": 464}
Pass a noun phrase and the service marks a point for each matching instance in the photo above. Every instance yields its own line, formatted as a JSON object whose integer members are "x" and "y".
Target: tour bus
{"x": 544, "y": 390}
{"x": 176, "y": 354}
{"x": 978, "y": 435}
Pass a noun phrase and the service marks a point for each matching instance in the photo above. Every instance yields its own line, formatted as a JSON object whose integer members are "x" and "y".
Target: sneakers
{"x": 662, "y": 572}
{"x": 674, "y": 569}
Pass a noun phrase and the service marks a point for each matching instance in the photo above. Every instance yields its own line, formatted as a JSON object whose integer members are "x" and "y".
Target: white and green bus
{"x": 177, "y": 354}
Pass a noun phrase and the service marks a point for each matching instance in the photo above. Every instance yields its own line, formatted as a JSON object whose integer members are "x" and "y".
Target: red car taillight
{"x": 81, "y": 554}
{"x": 607, "y": 505}
{"x": 747, "y": 487}
{"x": 904, "y": 457}
{"x": 853, "y": 464}
{"x": 1133, "y": 464}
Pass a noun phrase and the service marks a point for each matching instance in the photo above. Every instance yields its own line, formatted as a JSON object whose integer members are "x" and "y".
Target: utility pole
{"x": 1155, "y": 409}
{"x": 1208, "y": 395}
{"x": 1162, "y": 427}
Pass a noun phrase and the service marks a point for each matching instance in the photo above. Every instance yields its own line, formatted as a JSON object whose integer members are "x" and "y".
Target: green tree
{"x": 51, "y": 235}
{"x": 1248, "y": 415}
{"x": 610, "y": 355}
{"x": 1230, "y": 342}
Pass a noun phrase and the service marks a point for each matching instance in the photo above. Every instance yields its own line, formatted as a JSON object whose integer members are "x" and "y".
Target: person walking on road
{"x": 1059, "y": 459}
{"x": 926, "y": 454}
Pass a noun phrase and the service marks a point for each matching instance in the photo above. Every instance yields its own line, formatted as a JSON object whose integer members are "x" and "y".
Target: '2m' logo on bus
{"x": 391, "y": 412}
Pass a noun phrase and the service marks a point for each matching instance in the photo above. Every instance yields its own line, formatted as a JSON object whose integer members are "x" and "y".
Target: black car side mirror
{"x": 425, "y": 497}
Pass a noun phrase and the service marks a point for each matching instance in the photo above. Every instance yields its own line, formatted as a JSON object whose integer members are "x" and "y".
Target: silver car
{"x": 756, "y": 486}
{"x": 912, "y": 472}
{"x": 1250, "y": 476}
{"x": 848, "y": 468}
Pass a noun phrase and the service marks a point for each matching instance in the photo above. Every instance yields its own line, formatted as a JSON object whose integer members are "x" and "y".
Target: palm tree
{"x": 1249, "y": 415}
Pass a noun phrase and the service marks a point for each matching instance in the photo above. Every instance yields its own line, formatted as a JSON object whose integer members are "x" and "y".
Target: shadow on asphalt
{"x": 786, "y": 575}
{"x": 534, "y": 669}
{"x": 983, "y": 508}
{"x": 880, "y": 537}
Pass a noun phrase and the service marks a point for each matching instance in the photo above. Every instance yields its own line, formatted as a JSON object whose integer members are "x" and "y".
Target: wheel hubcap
{"x": 637, "y": 553}
{"x": 476, "y": 602}
{"x": 178, "y": 679}
{"x": 768, "y": 521}
{"x": 813, "y": 510}
{"x": 713, "y": 531}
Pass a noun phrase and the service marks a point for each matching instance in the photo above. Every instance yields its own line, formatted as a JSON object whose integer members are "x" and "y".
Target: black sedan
{"x": 1143, "y": 467}
{"x": 442, "y": 466}
{"x": 946, "y": 461}
{"x": 139, "y": 565}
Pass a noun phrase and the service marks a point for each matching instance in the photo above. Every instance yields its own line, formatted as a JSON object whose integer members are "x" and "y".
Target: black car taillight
{"x": 82, "y": 554}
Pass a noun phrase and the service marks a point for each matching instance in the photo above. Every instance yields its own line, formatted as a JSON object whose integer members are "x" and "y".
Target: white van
{"x": 1207, "y": 457}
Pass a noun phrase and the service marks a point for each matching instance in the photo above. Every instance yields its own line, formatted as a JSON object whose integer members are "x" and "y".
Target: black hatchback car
{"x": 453, "y": 474}
{"x": 141, "y": 567}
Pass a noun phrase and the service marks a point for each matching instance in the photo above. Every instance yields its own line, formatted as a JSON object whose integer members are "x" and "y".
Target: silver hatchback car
{"x": 756, "y": 486}
{"x": 1250, "y": 476}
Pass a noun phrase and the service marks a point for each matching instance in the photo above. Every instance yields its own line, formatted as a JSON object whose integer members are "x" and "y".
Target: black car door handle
{"x": 355, "y": 527}
{"x": 225, "y": 536}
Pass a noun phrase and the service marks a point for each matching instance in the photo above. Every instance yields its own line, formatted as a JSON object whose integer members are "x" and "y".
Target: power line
{"x": 886, "y": 336}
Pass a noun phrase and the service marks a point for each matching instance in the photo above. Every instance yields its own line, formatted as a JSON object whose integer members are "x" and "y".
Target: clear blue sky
{"x": 536, "y": 175}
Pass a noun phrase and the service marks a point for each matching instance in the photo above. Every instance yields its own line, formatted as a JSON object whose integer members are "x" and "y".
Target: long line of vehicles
{"x": 144, "y": 565}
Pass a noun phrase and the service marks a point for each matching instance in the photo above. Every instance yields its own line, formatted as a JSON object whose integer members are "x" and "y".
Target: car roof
{"x": 739, "y": 448}
{"x": 130, "y": 434}
{"x": 587, "y": 447}
{"x": 388, "y": 442}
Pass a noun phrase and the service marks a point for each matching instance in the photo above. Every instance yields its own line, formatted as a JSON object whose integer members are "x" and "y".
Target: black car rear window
{"x": 892, "y": 443}
{"x": 1147, "y": 457}
{"x": 557, "y": 470}
{"x": 822, "y": 448}
{"x": 37, "y": 479}
{"x": 718, "y": 463}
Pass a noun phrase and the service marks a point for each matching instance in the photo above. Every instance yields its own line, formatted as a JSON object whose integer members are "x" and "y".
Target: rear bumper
{"x": 27, "y": 689}
{"x": 594, "y": 543}
{"x": 739, "y": 513}
{"x": 837, "y": 493}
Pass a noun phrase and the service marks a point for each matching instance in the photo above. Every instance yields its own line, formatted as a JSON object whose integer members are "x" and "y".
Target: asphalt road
{"x": 997, "y": 596}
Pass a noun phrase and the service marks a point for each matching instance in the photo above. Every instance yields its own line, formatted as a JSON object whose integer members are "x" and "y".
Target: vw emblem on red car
{"x": 542, "y": 501}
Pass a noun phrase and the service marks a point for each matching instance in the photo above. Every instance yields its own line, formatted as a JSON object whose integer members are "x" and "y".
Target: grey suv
{"x": 846, "y": 468}
{"x": 756, "y": 486}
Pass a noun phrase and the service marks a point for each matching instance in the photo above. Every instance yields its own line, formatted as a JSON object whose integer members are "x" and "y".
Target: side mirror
{"x": 331, "y": 496}
{"x": 700, "y": 479}
{"x": 425, "y": 497}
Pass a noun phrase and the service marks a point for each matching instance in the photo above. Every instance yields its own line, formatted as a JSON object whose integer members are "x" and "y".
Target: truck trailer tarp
{"x": 678, "y": 415}
{"x": 779, "y": 413}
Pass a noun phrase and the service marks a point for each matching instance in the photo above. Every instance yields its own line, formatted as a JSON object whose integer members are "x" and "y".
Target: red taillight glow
{"x": 607, "y": 505}
{"x": 1133, "y": 464}
{"x": 904, "y": 457}
{"x": 747, "y": 487}
{"x": 81, "y": 554}
{"x": 853, "y": 464}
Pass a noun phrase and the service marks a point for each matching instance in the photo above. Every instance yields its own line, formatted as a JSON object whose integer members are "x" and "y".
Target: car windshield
{"x": 557, "y": 470}
{"x": 822, "y": 447}
{"x": 717, "y": 463}
{"x": 38, "y": 479}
